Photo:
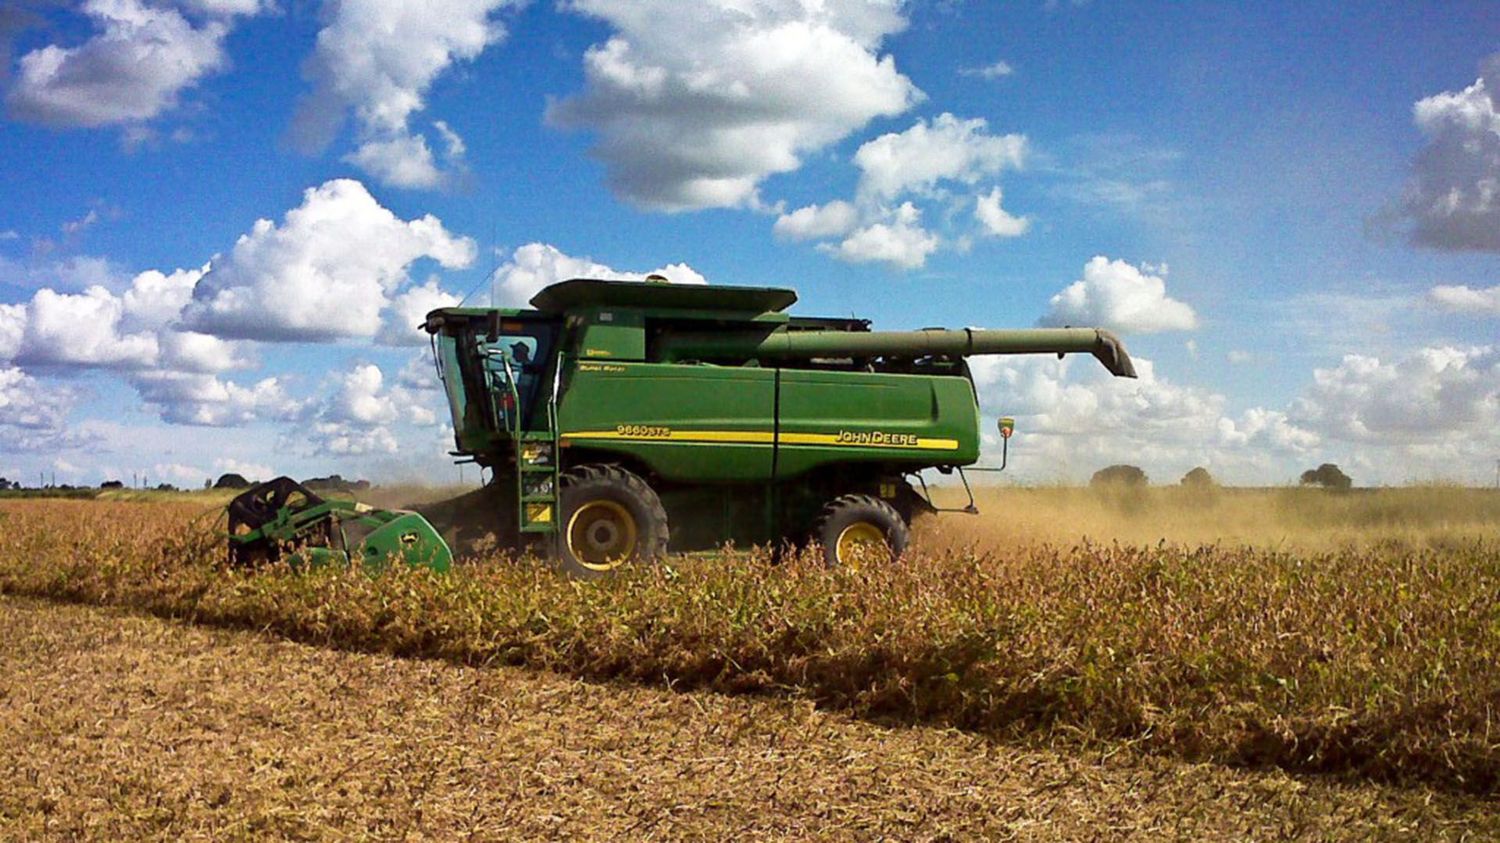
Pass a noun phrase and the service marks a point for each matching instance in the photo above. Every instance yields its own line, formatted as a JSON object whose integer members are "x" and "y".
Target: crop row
{"x": 1376, "y": 662}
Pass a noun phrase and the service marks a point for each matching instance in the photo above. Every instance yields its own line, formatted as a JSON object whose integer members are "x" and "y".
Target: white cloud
{"x": 1484, "y": 301}
{"x": 419, "y": 373}
{"x": 341, "y": 440}
{"x": 12, "y": 329}
{"x": 136, "y": 66}
{"x": 155, "y": 298}
{"x": 1453, "y": 199}
{"x": 998, "y": 70}
{"x": 815, "y": 222}
{"x": 537, "y": 265}
{"x": 82, "y": 330}
{"x": 185, "y": 351}
{"x": 326, "y": 272}
{"x": 900, "y": 241}
{"x": 408, "y": 311}
{"x": 997, "y": 221}
{"x": 359, "y": 401}
{"x": 1433, "y": 395}
{"x": 202, "y": 399}
{"x": 1118, "y": 296}
{"x": 379, "y": 58}
{"x": 947, "y": 149}
{"x": 924, "y": 162}
{"x": 1073, "y": 418}
{"x": 401, "y": 161}
{"x": 696, "y": 103}
{"x": 99, "y": 329}
{"x": 28, "y": 403}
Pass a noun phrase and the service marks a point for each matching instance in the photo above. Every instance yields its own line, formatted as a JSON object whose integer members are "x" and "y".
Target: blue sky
{"x": 1290, "y": 210}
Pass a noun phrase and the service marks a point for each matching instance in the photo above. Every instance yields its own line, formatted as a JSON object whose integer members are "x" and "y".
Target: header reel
{"x": 282, "y": 519}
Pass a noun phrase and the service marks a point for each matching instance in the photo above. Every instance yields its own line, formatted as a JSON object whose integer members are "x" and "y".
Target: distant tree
{"x": 1119, "y": 475}
{"x": 208, "y": 483}
{"x": 231, "y": 481}
{"x": 1327, "y": 475}
{"x": 1199, "y": 478}
{"x": 165, "y": 487}
{"x": 7, "y": 484}
{"x": 112, "y": 484}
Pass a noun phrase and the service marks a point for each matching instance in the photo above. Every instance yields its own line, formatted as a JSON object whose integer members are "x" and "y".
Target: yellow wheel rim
{"x": 601, "y": 535}
{"x": 860, "y": 543}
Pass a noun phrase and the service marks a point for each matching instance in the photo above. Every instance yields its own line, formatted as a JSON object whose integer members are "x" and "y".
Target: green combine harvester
{"x": 621, "y": 420}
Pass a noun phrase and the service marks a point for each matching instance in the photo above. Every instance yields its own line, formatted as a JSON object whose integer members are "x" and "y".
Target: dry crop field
{"x": 1283, "y": 631}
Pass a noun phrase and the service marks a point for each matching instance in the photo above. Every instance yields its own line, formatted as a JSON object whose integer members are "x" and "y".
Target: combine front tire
{"x": 857, "y": 530}
{"x": 611, "y": 518}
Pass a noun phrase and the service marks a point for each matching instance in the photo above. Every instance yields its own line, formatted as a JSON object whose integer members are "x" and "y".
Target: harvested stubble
{"x": 1375, "y": 662}
{"x": 121, "y": 727}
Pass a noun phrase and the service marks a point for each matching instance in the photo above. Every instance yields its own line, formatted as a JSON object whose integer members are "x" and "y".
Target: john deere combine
{"x": 619, "y": 420}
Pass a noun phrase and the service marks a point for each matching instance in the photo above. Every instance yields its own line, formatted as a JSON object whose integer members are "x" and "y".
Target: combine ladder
{"x": 538, "y": 480}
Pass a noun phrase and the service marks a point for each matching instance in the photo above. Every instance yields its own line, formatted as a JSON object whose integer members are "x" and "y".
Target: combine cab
{"x": 621, "y": 420}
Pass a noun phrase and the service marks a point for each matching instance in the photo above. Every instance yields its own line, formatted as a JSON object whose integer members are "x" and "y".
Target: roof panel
{"x": 590, "y": 292}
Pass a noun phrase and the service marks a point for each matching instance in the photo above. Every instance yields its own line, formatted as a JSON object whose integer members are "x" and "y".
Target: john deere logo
{"x": 876, "y": 437}
{"x": 408, "y": 538}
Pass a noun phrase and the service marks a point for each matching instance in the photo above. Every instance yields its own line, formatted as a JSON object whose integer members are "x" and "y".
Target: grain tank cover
{"x": 589, "y": 292}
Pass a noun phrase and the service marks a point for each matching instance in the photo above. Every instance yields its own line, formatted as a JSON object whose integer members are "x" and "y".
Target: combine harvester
{"x": 620, "y": 420}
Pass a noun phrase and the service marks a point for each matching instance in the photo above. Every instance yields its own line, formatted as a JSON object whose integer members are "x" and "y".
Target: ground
{"x": 120, "y": 726}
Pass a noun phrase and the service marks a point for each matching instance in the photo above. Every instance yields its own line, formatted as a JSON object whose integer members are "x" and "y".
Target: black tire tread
{"x": 654, "y": 544}
{"x": 898, "y": 536}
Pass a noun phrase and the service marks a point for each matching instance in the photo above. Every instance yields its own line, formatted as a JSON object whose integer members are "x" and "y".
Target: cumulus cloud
{"x": 997, "y": 221}
{"x": 134, "y": 68}
{"x": 1484, "y": 301}
{"x": 1453, "y": 198}
{"x": 1121, "y": 297}
{"x": 326, "y": 272}
{"x": 925, "y": 162}
{"x": 203, "y": 399}
{"x": 695, "y": 104}
{"x": 401, "y": 161}
{"x": 82, "y": 330}
{"x": 947, "y": 149}
{"x": 900, "y": 241}
{"x": 408, "y": 311}
{"x": 363, "y": 414}
{"x": 100, "y": 329}
{"x": 815, "y": 222}
{"x": 27, "y": 403}
{"x": 378, "y": 58}
{"x": 536, "y": 265}
{"x": 33, "y": 414}
{"x": 1076, "y": 418}
{"x": 1432, "y": 395}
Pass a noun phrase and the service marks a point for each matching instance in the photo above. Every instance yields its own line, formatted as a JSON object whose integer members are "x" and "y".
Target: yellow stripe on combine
{"x": 759, "y": 437}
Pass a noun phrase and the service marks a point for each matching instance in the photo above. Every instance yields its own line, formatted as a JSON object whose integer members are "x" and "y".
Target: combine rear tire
{"x": 856, "y": 530}
{"x": 611, "y": 518}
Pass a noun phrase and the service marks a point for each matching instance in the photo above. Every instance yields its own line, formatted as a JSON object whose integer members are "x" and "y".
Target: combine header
{"x": 282, "y": 519}
{"x": 619, "y": 419}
